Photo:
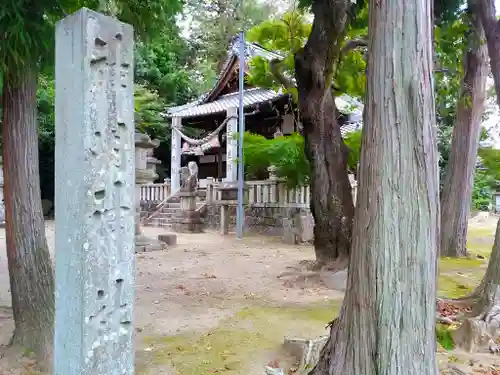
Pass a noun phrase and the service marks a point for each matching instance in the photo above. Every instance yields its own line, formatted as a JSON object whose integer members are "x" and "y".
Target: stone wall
{"x": 263, "y": 219}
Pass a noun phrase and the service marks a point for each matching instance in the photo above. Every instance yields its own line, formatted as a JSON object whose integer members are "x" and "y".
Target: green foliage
{"x": 482, "y": 190}
{"x": 214, "y": 24}
{"x": 148, "y": 107}
{"x": 450, "y": 42}
{"x": 490, "y": 159}
{"x": 444, "y": 337}
{"x": 289, "y": 34}
{"x": 45, "y": 109}
{"x": 28, "y": 33}
{"x": 353, "y": 142}
{"x": 287, "y": 155}
{"x": 46, "y": 134}
{"x": 162, "y": 64}
{"x": 27, "y": 27}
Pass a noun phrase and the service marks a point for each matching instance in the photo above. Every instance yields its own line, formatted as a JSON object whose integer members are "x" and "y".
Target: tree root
{"x": 482, "y": 331}
{"x": 307, "y": 352}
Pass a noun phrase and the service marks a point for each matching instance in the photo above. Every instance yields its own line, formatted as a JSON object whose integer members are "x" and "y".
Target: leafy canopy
{"x": 288, "y": 34}
{"x": 27, "y": 26}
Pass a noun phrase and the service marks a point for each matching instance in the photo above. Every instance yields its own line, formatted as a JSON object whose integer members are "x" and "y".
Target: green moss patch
{"x": 457, "y": 264}
{"x": 454, "y": 286}
{"x": 237, "y": 342}
{"x": 444, "y": 337}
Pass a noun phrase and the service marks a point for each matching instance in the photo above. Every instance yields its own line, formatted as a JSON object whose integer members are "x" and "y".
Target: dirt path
{"x": 217, "y": 305}
{"x": 204, "y": 281}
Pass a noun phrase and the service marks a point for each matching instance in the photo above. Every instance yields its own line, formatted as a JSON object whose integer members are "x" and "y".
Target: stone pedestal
{"x": 188, "y": 220}
{"x": 228, "y": 195}
{"x": 144, "y": 175}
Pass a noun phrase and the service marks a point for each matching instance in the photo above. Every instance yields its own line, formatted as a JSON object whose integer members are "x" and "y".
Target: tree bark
{"x": 387, "y": 322}
{"x": 487, "y": 13}
{"x": 331, "y": 197}
{"x": 457, "y": 189}
{"x": 491, "y": 278}
{"x": 30, "y": 268}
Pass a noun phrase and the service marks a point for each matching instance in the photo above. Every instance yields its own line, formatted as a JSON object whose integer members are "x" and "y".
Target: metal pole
{"x": 240, "y": 212}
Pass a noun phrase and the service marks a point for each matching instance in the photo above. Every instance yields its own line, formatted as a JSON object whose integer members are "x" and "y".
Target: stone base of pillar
{"x": 145, "y": 244}
{"x": 169, "y": 238}
{"x": 188, "y": 222}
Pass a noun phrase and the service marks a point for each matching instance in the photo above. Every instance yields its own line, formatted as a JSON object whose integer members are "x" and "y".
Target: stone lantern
{"x": 144, "y": 145}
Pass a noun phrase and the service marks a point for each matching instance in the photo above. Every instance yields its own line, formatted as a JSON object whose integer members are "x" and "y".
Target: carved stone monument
{"x": 188, "y": 218}
{"x": 94, "y": 197}
{"x": 144, "y": 175}
{"x": 2, "y": 202}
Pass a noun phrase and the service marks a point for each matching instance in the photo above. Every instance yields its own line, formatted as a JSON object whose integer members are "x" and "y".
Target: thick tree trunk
{"x": 30, "y": 268}
{"x": 387, "y": 322}
{"x": 491, "y": 26}
{"x": 492, "y": 276}
{"x": 457, "y": 190}
{"x": 331, "y": 197}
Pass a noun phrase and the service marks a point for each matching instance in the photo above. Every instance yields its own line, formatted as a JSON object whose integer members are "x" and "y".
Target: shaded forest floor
{"x": 215, "y": 305}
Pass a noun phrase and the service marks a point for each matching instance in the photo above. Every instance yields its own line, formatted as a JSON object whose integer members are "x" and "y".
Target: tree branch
{"x": 275, "y": 67}
{"x": 352, "y": 44}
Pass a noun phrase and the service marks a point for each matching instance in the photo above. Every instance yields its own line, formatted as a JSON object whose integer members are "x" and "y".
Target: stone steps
{"x": 165, "y": 218}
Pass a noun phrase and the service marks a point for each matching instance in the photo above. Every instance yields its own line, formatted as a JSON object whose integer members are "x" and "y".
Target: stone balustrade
{"x": 263, "y": 193}
{"x": 155, "y": 193}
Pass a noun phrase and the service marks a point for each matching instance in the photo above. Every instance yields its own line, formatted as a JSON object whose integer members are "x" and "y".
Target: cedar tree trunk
{"x": 491, "y": 26}
{"x": 30, "y": 268}
{"x": 457, "y": 190}
{"x": 387, "y": 322}
{"x": 492, "y": 276}
{"x": 331, "y": 197}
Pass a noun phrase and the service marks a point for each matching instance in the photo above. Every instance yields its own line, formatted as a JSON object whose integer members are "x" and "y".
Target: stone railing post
{"x": 168, "y": 188}
{"x": 210, "y": 190}
{"x": 228, "y": 195}
{"x": 273, "y": 186}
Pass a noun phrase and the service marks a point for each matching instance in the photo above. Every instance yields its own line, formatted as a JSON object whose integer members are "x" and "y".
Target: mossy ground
{"x": 237, "y": 342}
{"x": 245, "y": 338}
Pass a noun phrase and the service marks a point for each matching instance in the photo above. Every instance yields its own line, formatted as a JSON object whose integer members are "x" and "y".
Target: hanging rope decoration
{"x": 199, "y": 146}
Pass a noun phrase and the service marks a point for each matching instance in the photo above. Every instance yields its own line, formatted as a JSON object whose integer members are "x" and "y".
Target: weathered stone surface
{"x": 289, "y": 231}
{"x": 306, "y": 229}
{"x": 94, "y": 197}
{"x": 335, "y": 281}
{"x": 169, "y": 238}
{"x": 145, "y": 244}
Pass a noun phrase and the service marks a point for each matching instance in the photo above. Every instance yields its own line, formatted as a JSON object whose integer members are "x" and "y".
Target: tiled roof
{"x": 350, "y": 127}
{"x": 250, "y": 97}
{"x": 205, "y": 106}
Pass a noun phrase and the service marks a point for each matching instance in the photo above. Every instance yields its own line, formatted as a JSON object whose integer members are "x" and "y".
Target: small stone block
{"x": 169, "y": 238}
{"x": 289, "y": 235}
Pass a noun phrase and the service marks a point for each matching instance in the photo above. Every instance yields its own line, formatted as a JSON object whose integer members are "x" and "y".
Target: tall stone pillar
{"x": 94, "y": 196}
{"x": 2, "y": 202}
{"x": 232, "y": 145}
{"x": 175, "y": 159}
{"x": 144, "y": 175}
